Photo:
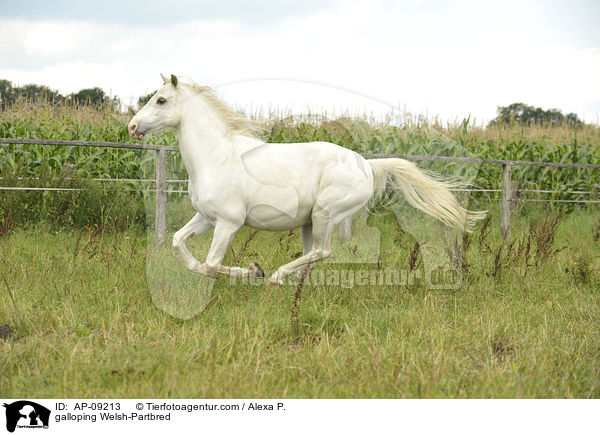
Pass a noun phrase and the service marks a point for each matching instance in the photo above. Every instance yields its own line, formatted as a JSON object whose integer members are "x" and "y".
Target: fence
{"x": 509, "y": 189}
{"x": 161, "y": 170}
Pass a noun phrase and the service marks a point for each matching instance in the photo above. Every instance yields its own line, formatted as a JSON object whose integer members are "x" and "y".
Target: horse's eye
{"x": 161, "y": 100}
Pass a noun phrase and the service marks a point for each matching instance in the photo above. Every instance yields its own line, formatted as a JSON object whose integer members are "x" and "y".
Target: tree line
{"x": 523, "y": 114}
{"x": 9, "y": 94}
{"x": 516, "y": 113}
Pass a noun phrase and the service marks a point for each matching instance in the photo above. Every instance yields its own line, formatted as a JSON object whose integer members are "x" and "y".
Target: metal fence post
{"x": 506, "y": 200}
{"x": 161, "y": 195}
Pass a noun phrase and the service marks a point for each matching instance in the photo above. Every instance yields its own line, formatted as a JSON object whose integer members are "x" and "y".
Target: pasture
{"x": 75, "y": 291}
{"x": 84, "y": 324}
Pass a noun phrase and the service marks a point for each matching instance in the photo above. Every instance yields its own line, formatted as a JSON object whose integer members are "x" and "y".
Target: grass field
{"x": 85, "y": 297}
{"x": 523, "y": 323}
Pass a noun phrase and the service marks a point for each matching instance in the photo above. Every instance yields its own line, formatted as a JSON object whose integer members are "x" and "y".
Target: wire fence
{"x": 152, "y": 181}
{"x": 510, "y": 191}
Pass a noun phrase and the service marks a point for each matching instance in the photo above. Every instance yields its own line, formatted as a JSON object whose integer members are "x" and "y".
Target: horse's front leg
{"x": 222, "y": 238}
{"x": 196, "y": 225}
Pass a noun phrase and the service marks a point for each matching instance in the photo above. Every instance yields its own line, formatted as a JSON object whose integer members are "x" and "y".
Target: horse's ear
{"x": 165, "y": 80}
{"x": 173, "y": 80}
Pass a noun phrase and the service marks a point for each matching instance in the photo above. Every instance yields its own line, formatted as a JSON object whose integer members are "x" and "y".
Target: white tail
{"x": 423, "y": 190}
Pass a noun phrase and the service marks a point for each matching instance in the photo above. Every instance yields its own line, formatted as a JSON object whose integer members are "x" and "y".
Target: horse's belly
{"x": 273, "y": 218}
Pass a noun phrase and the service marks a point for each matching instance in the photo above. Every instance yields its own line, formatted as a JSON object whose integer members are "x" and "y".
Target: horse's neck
{"x": 205, "y": 148}
{"x": 202, "y": 142}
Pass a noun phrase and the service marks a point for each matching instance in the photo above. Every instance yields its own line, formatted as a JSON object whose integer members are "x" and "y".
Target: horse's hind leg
{"x": 196, "y": 225}
{"x": 320, "y": 248}
{"x": 307, "y": 244}
{"x": 345, "y": 229}
{"x": 307, "y": 239}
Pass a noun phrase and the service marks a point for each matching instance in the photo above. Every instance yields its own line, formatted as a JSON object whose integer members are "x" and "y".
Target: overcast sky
{"x": 433, "y": 57}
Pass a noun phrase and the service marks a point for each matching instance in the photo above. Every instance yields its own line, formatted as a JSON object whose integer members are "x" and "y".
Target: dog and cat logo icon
{"x": 26, "y": 414}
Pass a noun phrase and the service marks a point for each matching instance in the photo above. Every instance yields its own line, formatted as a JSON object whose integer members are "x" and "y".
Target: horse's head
{"x": 161, "y": 111}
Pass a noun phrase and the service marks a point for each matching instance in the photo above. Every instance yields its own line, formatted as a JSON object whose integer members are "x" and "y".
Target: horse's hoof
{"x": 256, "y": 270}
{"x": 275, "y": 281}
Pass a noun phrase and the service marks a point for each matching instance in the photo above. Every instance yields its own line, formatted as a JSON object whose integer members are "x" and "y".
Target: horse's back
{"x": 305, "y": 163}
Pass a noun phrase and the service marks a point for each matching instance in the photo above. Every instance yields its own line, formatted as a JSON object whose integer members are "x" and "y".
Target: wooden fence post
{"x": 506, "y": 200}
{"x": 161, "y": 196}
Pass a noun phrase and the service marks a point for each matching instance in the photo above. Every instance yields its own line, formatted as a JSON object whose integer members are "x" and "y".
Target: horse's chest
{"x": 215, "y": 201}
{"x": 206, "y": 205}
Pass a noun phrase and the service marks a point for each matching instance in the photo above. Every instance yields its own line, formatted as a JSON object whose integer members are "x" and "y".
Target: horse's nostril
{"x": 133, "y": 127}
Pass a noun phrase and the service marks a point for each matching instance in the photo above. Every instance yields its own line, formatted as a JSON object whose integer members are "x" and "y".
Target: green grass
{"x": 88, "y": 311}
{"x": 85, "y": 323}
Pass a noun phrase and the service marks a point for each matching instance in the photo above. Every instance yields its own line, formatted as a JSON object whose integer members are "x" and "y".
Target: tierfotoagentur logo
{"x": 25, "y": 414}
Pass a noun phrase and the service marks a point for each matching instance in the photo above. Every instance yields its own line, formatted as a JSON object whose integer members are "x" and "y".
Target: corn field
{"x": 407, "y": 136}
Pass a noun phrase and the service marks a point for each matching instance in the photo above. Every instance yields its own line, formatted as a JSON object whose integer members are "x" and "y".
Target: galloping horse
{"x": 236, "y": 179}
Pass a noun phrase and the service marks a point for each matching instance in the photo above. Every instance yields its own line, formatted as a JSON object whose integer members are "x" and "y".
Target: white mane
{"x": 234, "y": 122}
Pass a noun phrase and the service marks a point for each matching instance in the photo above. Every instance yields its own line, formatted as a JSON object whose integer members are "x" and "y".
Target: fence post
{"x": 506, "y": 200}
{"x": 161, "y": 195}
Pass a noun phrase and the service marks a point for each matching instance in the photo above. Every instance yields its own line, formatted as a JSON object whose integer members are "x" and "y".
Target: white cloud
{"x": 56, "y": 39}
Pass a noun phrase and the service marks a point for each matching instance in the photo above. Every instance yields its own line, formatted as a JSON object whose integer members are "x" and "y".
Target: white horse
{"x": 235, "y": 179}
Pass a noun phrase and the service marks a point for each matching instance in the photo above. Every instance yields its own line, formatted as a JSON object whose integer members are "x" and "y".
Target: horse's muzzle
{"x": 133, "y": 129}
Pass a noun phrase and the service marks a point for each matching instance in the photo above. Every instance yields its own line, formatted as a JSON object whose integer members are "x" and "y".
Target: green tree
{"x": 39, "y": 92}
{"x": 7, "y": 92}
{"x": 526, "y": 115}
{"x": 90, "y": 96}
{"x": 144, "y": 99}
